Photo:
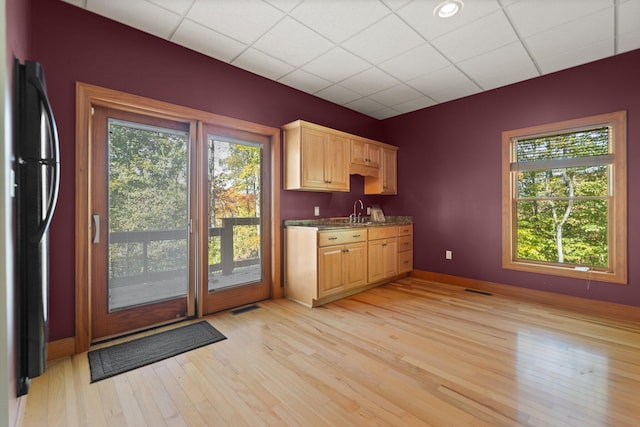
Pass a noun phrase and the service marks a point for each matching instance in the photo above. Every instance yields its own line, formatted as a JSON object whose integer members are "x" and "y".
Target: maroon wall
{"x": 75, "y": 45}
{"x": 450, "y": 170}
{"x": 449, "y": 162}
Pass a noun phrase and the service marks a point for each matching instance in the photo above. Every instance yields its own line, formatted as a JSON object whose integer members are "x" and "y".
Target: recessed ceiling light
{"x": 448, "y": 8}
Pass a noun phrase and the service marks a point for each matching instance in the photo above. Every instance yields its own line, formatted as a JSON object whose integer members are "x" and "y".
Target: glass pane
{"x": 148, "y": 214}
{"x": 563, "y": 231}
{"x": 235, "y": 225}
{"x": 566, "y": 182}
{"x": 593, "y": 142}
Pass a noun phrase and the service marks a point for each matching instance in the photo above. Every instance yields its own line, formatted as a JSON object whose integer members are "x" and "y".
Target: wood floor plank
{"x": 411, "y": 353}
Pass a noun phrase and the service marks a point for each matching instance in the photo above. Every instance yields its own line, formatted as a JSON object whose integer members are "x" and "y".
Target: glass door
{"x": 141, "y": 215}
{"x": 236, "y": 270}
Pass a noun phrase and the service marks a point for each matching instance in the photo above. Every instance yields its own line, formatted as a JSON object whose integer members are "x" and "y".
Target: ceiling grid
{"x": 388, "y": 57}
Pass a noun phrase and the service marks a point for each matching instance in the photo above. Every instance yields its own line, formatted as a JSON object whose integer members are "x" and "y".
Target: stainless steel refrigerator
{"x": 37, "y": 177}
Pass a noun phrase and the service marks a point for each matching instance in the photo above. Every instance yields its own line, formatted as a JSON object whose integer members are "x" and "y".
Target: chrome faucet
{"x": 356, "y": 217}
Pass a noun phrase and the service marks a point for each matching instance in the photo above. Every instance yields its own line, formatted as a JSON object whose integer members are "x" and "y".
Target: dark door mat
{"x": 116, "y": 359}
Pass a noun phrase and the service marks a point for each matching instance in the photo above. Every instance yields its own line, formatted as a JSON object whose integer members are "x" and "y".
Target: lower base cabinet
{"x": 405, "y": 248}
{"x": 383, "y": 253}
{"x": 322, "y": 266}
{"x": 341, "y": 267}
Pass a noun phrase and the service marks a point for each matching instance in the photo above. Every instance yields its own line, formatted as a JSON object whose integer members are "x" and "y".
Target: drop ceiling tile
{"x": 365, "y": 105}
{"x": 385, "y": 113}
{"x": 399, "y": 94}
{"x": 284, "y": 5}
{"x": 445, "y": 85}
{"x": 574, "y": 35}
{"x": 304, "y": 81}
{"x": 628, "y": 27}
{"x": 396, "y": 4}
{"x": 244, "y": 20}
{"x": 339, "y": 20}
{"x": 199, "y": 38}
{"x": 500, "y": 67}
{"x": 418, "y": 61}
{"x": 142, "y": 15}
{"x": 416, "y": 104}
{"x": 534, "y": 17}
{"x": 176, "y": 6}
{"x": 383, "y": 40}
{"x": 419, "y": 14}
{"x": 338, "y": 94}
{"x": 485, "y": 34}
{"x": 293, "y": 43}
{"x": 79, "y": 3}
{"x": 576, "y": 56}
{"x": 369, "y": 81}
{"x": 336, "y": 65}
{"x": 262, "y": 64}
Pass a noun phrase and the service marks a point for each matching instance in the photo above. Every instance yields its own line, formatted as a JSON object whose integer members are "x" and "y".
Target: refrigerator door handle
{"x": 96, "y": 222}
{"x": 55, "y": 149}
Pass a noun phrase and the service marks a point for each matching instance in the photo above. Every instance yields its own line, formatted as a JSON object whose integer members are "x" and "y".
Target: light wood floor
{"x": 411, "y": 353}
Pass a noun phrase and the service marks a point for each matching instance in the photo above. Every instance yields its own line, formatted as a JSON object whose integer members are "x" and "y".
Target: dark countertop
{"x": 343, "y": 222}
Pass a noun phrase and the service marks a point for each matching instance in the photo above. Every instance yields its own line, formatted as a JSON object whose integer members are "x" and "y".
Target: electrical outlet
{"x": 368, "y": 210}
{"x": 316, "y": 210}
{"x": 448, "y": 254}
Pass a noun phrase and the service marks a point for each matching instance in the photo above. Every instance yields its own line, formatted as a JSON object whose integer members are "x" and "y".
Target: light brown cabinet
{"x": 341, "y": 267}
{"x": 365, "y": 153}
{"x": 386, "y": 182}
{"x": 383, "y": 253}
{"x": 405, "y": 248}
{"x": 315, "y": 160}
{"x": 322, "y": 266}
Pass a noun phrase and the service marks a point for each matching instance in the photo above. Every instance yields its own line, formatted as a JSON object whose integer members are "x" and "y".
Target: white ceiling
{"x": 388, "y": 57}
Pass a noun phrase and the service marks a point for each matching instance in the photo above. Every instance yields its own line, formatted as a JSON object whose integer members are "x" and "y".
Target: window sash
{"x": 615, "y": 160}
{"x": 606, "y": 159}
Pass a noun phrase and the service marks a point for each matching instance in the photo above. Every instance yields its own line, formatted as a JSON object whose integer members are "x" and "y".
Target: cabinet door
{"x": 359, "y": 152}
{"x": 313, "y": 149}
{"x": 376, "y": 257}
{"x": 355, "y": 265}
{"x": 374, "y": 153}
{"x": 389, "y": 166}
{"x": 330, "y": 271}
{"x": 365, "y": 154}
{"x": 390, "y": 254}
{"x": 337, "y": 163}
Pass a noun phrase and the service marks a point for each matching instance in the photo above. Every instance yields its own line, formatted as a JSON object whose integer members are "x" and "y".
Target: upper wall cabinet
{"x": 318, "y": 158}
{"x": 315, "y": 159}
{"x": 386, "y": 182}
{"x": 365, "y": 157}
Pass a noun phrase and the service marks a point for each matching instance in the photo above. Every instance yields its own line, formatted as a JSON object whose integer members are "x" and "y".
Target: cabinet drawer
{"x": 382, "y": 232}
{"x": 405, "y": 261}
{"x": 405, "y": 230}
{"x": 330, "y": 238}
{"x": 405, "y": 243}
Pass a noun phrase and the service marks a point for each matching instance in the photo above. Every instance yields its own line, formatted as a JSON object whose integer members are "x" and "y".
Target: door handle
{"x": 96, "y": 224}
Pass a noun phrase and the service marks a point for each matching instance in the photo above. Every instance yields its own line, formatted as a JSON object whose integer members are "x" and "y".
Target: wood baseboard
{"x": 604, "y": 308}
{"x": 61, "y": 348}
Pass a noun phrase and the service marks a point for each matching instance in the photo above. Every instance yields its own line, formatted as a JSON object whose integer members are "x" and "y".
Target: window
{"x": 564, "y": 197}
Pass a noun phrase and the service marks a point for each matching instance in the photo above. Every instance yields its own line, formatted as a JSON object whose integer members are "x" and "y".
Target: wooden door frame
{"x": 88, "y": 96}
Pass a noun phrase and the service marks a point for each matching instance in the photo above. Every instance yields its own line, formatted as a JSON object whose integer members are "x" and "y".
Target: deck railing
{"x": 227, "y": 262}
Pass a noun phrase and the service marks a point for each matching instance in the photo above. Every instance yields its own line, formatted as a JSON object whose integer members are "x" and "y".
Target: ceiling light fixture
{"x": 448, "y": 8}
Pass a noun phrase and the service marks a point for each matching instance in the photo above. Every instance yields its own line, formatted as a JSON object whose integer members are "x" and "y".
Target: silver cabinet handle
{"x": 96, "y": 222}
